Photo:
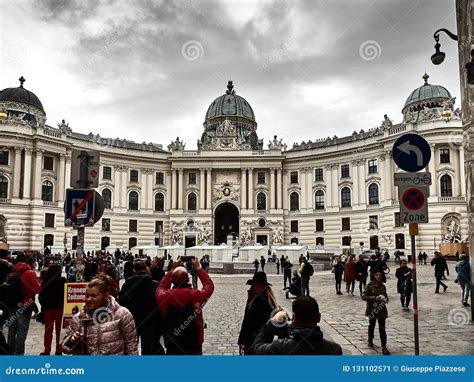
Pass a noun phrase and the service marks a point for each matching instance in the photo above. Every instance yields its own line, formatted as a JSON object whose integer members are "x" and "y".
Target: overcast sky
{"x": 148, "y": 70}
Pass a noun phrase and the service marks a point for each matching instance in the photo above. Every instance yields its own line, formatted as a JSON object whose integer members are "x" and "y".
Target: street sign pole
{"x": 83, "y": 182}
{"x": 414, "y": 227}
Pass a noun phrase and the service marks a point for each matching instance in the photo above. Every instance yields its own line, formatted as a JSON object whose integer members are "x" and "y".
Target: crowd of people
{"x": 160, "y": 307}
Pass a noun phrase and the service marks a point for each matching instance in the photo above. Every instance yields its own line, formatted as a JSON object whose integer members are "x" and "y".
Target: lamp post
{"x": 438, "y": 57}
{"x": 65, "y": 243}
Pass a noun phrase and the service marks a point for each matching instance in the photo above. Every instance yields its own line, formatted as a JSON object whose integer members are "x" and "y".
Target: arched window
{"x": 3, "y": 187}
{"x": 192, "y": 202}
{"x": 373, "y": 194}
{"x": 294, "y": 201}
{"x": 346, "y": 197}
{"x": 294, "y": 240}
{"x": 133, "y": 201}
{"x": 159, "y": 202}
{"x": 320, "y": 241}
{"x": 47, "y": 191}
{"x": 261, "y": 201}
{"x": 399, "y": 241}
{"x": 319, "y": 200}
{"x": 107, "y": 196}
{"x": 446, "y": 185}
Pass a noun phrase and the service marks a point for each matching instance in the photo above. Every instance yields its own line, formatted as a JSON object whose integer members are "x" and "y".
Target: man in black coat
{"x": 304, "y": 337}
{"x": 439, "y": 264}
{"x": 138, "y": 296}
{"x": 5, "y": 265}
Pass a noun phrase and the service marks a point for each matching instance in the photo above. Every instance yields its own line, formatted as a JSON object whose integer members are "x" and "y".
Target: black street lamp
{"x": 438, "y": 57}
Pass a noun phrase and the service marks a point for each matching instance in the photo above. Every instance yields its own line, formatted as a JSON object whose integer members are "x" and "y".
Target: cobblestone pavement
{"x": 444, "y": 324}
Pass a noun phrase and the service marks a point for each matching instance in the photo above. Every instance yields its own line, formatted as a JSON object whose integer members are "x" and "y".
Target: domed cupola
{"x": 428, "y": 102}
{"x": 21, "y": 105}
{"x": 230, "y": 124}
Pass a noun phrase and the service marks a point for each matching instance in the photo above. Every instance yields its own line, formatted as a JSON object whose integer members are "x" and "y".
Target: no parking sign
{"x": 413, "y": 204}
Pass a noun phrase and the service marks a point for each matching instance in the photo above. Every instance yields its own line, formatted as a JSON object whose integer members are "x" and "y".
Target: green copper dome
{"x": 230, "y": 104}
{"x": 425, "y": 95}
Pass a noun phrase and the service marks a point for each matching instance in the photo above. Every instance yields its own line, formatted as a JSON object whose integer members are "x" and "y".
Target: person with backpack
{"x": 51, "y": 298}
{"x": 306, "y": 271}
{"x": 181, "y": 309}
{"x": 138, "y": 296}
{"x": 19, "y": 292}
{"x": 463, "y": 269}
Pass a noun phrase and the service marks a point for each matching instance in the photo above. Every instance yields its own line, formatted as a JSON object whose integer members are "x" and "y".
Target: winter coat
{"x": 375, "y": 309}
{"x": 157, "y": 273}
{"x": 463, "y": 269}
{"x": 350, "y": 272}
{"x": 138, "y": 296}
{"x": 439, "y": 264}
{"x": 362, "y": 270}
{"x": 256, "y": 315}
{"x": 128, "y": 269}
{"x": 29, "y": 281}
{"x": 404, "y": 283}
{"x": 51, "y": 295}
{"x": 184, "y": 296}
{"x": 5, "y": 269}
{"x": 338, "y": 269}
{"x": 300, "y": 341}
{"x": 110, "y": 331}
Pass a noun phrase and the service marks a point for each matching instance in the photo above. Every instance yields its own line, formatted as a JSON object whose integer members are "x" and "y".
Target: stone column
{"x": 335, "y": 188}
{"x": 328, "y": 181}
{"x": 285, "y": 190}
{"x": 383, "y": 177}
{"x": 117, "y": 182}
{"x": 17, "y": 173}
{"x": 302, "y": 181}
{"x": 279, "y": 186}
{"x": 169, "y": 192}
{"x": 67, "y": 175}
{"x": 272, "y": 189}
{"x": 362, "y": 176}
{"x": 355, "y": 179}
{"x": 27, "y": 175}
{"x": 61, "y": 177}
{"x": 309, "y": 188}
{"x": 38, "y": 168}
{"x": 432, "y": 170}
{"x": 456, "y": 162}
{"x": 202, "y": 188}
{"x": 144, "y": 193}
{"x": 123, "y": 187}
{"x": 173, "y": 188}
{"x": 243, "y": 189}
{"x": 462, "y": 171}
{"x": 209, "y": 188}
{"x": 388, "y": 181}
{"x": 250, "y": 194}
{"x": 180, "y": 188}
{"x": 149, "y": 188}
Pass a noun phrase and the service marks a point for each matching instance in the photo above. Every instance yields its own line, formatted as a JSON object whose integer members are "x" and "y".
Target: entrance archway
{"x": 226, "y": 221}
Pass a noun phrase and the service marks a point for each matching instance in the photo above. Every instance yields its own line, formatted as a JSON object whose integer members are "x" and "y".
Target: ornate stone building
{"x": 334, "y": 192}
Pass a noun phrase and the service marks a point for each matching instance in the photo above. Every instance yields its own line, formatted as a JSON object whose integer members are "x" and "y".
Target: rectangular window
{"x": 132, "y": 226}
{"x": 260, "y": 177}
{"x": 107, "y": 173}
{"x": 319, "y": 225}
{"x": 346, "y": 241}
{"x": 158, "y": 226}
{"x": 49, "y": 220}
{"x": 48, "y": 163}
{"x": 373, "y": 166}
{"x": 345, "y": 171}
{"x": 294, "y": 177}
{"x": 346, "y": 224}
{"x": 105, "y": 224}
{"x": 373, "y": 222}
{"x": 318, "y": 175}
{"x": 4, "y": 158}
{"x": 444, "y": 156}
{"x": 192, "y": 178}
{"x": 160, "y": 178}
{"x": 396, "y": 217}
{"x": 294, "y": 226}
{"x": 134, "y": 176}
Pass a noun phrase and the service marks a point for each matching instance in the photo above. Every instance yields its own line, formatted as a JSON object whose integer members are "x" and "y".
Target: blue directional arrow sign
{"x": 411, "y": 152}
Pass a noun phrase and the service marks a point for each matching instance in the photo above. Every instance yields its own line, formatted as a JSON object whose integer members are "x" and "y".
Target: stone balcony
{"x": 50, "y": 204}
{"x": 451, "y": 199}
{"x": 5, "y": 201}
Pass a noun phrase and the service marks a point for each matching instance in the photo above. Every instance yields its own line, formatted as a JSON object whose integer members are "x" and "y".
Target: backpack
{"x": 308, "y": 269}
{"x": 181, "y": 333}
{"x": 11, "y": 292}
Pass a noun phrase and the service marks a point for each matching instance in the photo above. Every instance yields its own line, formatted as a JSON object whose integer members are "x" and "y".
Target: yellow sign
{"x": 413, "y": 229}
{"x": 74, "y": 298}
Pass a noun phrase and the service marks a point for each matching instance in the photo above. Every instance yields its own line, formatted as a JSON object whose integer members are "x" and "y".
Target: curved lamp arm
{"x": 452, "y": 35}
